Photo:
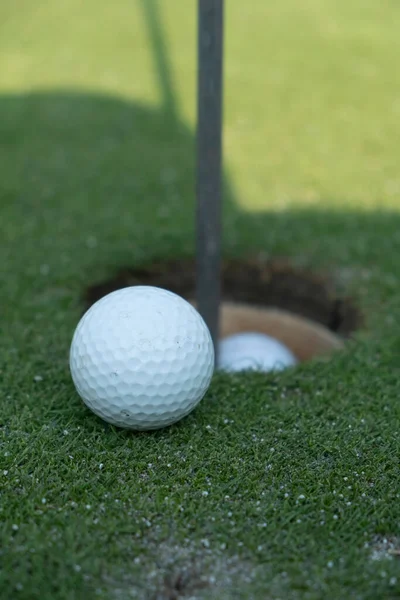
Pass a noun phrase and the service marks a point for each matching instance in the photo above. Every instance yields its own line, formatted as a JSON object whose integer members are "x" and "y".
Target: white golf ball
{"x": 141, "y": 358}
{"x": 253, "y": 351}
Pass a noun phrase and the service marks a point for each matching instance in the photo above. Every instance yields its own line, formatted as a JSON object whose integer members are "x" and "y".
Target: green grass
{"x": 97, "y": 172}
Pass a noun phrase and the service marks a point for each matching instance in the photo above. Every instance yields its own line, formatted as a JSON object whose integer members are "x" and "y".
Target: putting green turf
{"x": 284, "y": 486}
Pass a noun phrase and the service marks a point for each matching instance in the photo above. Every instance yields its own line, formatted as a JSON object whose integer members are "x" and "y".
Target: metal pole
{"x": 209, "y": 161}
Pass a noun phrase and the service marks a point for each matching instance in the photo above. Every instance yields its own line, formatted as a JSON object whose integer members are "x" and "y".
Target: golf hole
{"x": 301, "y": 309}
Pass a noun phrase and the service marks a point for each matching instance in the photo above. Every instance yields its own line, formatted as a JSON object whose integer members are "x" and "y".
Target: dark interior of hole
{"x": 269, "y": 284}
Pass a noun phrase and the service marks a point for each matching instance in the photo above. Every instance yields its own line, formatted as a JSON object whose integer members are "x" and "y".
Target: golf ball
{"x": 253, "y": 351}
{"x": 141, "y": 358}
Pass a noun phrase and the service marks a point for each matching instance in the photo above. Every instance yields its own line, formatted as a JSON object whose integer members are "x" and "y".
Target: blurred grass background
{"x": 312, "y": 93}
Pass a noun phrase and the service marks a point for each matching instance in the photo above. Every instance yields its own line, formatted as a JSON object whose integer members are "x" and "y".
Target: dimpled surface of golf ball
{"x": 141, "y": 358}
{"x": 253, "y": 351}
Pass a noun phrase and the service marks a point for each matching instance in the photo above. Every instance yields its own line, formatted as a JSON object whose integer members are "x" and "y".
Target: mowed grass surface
{"x": 283, "y": 486}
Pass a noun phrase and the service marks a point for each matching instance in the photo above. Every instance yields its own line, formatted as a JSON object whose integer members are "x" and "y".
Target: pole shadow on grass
{"x": 78, "y": 164}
